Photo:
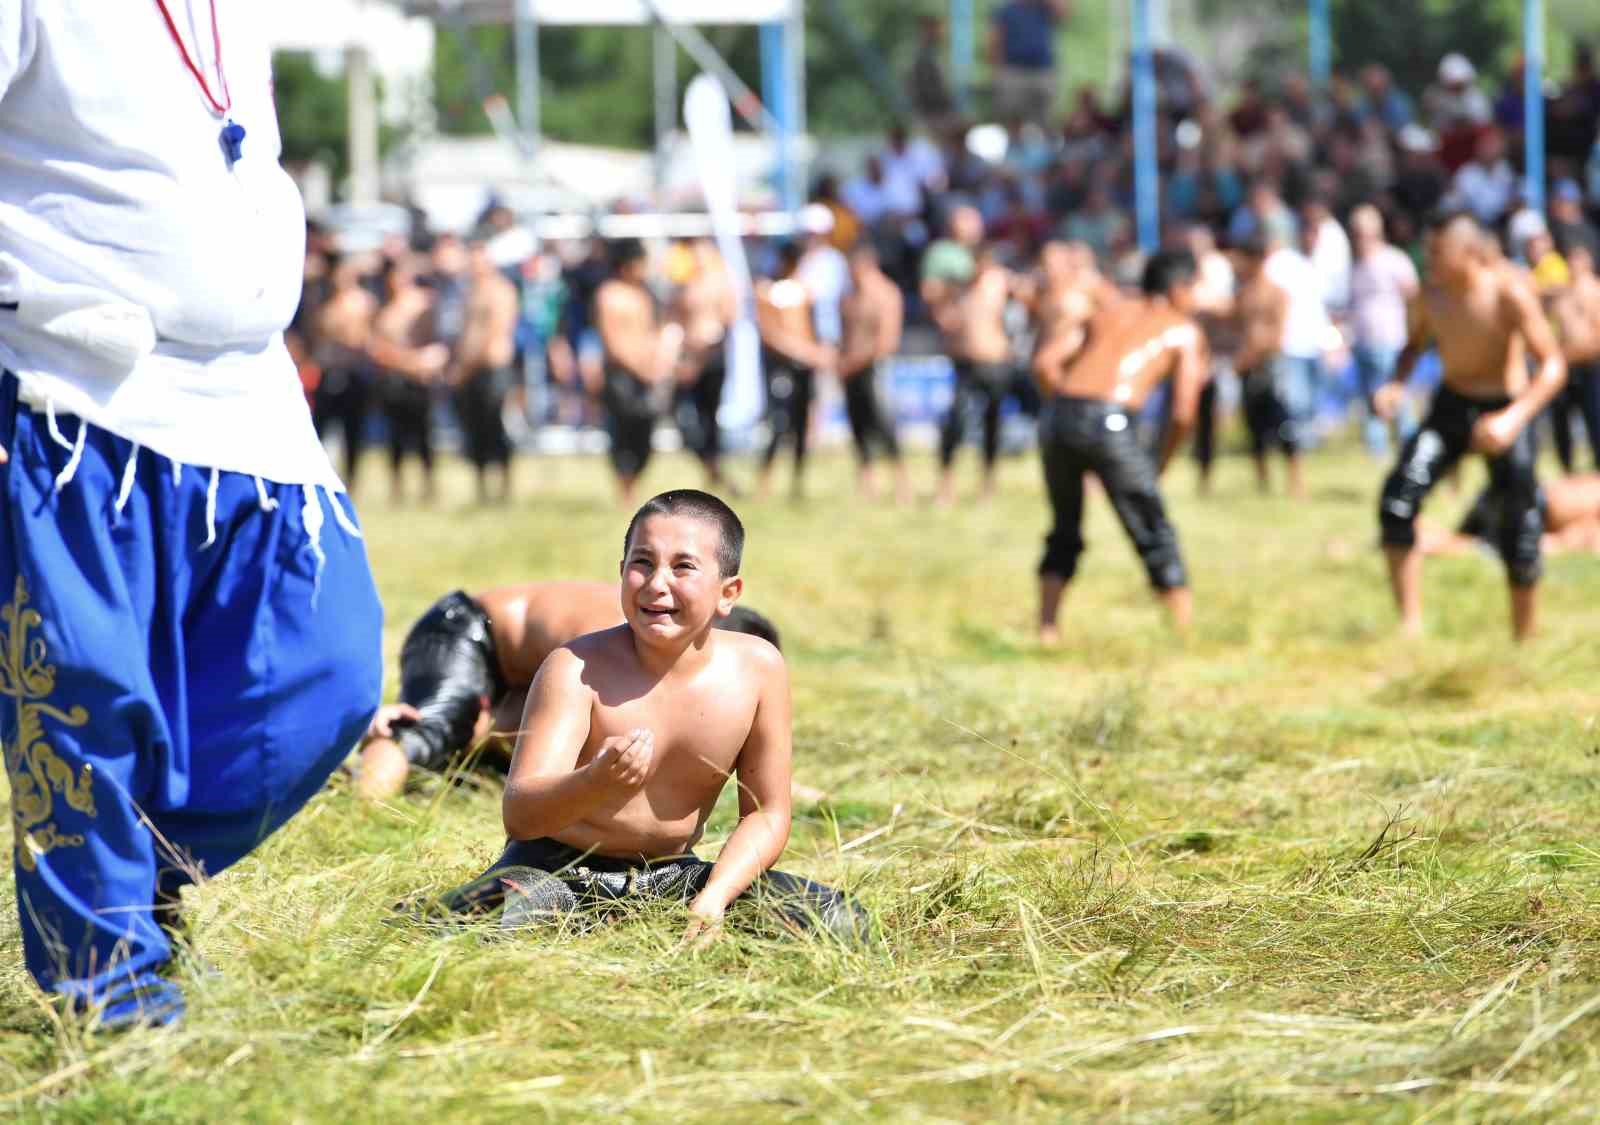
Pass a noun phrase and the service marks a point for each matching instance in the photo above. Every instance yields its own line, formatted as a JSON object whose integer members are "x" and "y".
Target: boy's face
{"x": 672, "y": 585}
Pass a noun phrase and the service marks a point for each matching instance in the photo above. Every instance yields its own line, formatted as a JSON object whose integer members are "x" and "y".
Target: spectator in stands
{"x": 1383, "y": 100}
{"x": 844, "y": 225}
{"x": 1099, "y": 224}
{"x": 909, "y": 169}
{"x": 1382, "y": 281}
{"x": 1421, "y": 181}
{"x": 1325, "y": 244}
{"x": 1249, "y": 115}
{"x": 1567, "y": 221}
{"x": 1486, "y": 185}
{"x": 949, "y": 263}
{"x": 866, "y": 195}
{"x": 1022, "y": 53}
{"x": 931, "y": 96}
{"x": 1457, "y": 110}
{"x": 1263, "y": 210}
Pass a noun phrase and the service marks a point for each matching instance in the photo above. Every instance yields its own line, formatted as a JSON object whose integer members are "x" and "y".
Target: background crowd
{"x": 1338, "y": 180}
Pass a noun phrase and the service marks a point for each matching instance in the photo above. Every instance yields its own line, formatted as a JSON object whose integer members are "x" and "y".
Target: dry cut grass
{"x": 1290, "y": 870}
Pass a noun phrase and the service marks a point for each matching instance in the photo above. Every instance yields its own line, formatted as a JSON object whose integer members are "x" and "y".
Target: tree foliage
{"x": 313, "y": 115}
{"x": 1411, "y": 38}
{"x": 597, "y": 85}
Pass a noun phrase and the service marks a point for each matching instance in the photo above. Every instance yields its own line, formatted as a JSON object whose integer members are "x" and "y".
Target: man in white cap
{"x": 1457, "y": 109}
{"x": 189, "y": 631}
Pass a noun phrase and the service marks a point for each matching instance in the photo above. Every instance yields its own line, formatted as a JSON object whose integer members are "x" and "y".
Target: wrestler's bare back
{"x": 700, "y": 717}
{"x": 531, "y": 621}
{"x": 1129, "y": 348}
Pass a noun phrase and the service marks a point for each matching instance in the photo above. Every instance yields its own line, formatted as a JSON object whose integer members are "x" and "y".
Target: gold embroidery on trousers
{"x": 37, "y": 773}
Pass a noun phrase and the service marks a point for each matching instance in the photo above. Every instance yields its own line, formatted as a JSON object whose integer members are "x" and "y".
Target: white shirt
{"x": 1487, "y": 192}
{"x": 1306, "y": 327}
{"x": 907, "y": 172}
{"x": 867, "y": 199}
{"x": 153, "y": 282}
{"x": 1330, "y": 258}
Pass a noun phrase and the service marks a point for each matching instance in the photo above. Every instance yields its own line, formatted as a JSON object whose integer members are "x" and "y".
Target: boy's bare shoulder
{"x": 597, "y": 651}
{"x": 752, "y": 653}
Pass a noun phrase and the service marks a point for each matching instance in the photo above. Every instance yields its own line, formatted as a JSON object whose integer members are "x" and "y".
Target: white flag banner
{"x": 710, "y": 122}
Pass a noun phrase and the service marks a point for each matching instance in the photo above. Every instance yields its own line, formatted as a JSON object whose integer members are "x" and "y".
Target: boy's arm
{"x": 1495, "y": 433}
{"x": 1386, "y": 399}
{"x": 1188, "y": 379}
{"x": 763, "y": 774}
{"x": 545, "y": 792}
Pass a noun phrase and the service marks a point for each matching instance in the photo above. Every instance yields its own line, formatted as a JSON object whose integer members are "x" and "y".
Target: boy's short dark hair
{"x": 624, "y": 251}
{"x": 1166, "y": 270}
{"x": 697, "y": 505}
{"x": 1443, "y": 218}
{"x": 743, "y": 620}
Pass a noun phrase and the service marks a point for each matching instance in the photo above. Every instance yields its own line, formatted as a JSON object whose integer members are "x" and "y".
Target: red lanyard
{"x": 218, "y": 106}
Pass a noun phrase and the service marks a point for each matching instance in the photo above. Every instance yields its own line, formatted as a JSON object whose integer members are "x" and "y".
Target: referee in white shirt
{"x": 189, "y": 632}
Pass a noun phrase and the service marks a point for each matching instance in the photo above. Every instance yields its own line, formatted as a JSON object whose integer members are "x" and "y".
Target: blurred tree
{"x": 312, "y": 111}
{"x": 604, "y": 73}
{"x": 314, "y": 114}
{"x": 1411, "y": 38}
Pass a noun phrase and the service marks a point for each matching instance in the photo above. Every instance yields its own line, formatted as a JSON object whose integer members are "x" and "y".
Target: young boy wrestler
{"x": 466, "y": 665}
{"x": 630, "y": 735}
{"x": 1486, "y": 326}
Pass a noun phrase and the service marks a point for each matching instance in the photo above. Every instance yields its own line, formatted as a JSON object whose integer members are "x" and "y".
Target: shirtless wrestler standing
{"x": 1095, "y": 380}
{"x": 1485, "y": 326}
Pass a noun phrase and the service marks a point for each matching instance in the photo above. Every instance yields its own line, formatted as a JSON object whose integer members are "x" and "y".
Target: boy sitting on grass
{"x": 630, "y": 735}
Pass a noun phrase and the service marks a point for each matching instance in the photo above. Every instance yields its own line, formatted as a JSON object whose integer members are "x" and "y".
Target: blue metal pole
{"x": 1321, "y": 60}
{"x": 775, "y": 93}
{"x": 1533, "y": 100}
{"x": 1146, "y": 171}
{"x": 962, "y": 48}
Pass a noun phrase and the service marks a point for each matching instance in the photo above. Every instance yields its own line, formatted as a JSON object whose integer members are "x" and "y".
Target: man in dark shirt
{"x": 1568, "y": 226}
{"x": 931, "y": 95}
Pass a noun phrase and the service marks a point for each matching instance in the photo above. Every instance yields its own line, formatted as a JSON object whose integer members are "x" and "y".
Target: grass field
{"x": 1290, "y": 870}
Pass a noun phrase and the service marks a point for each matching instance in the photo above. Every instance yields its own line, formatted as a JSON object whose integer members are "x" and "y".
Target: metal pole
{"x": 699, "y": 48}
{"x": 962, "y": 52}
{"x": 1321, "y": 60}
{"x": 1146, "y": 173}
{"x": 666, "y": 77}
{"x": 773, "y": 85}
{"x": 362, "y": 143}
{"x": 1533, "y": 100}
{"x": 526, "y": 33}
{"x": 794, "y": 40}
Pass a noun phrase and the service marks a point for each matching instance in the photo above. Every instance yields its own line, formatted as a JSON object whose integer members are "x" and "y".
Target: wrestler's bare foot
{"x": 1297, "y": 480}
{"x": 1524, "y": 612}
{"x": 383, "y": 770}
{"x": 1180, "y": 607}
{"x": 903, "y": 494}
{"x": 1049, "y": 636}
